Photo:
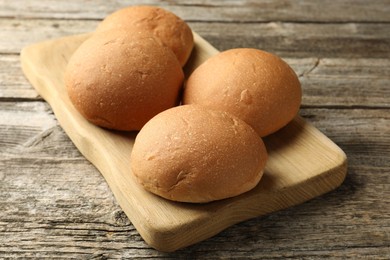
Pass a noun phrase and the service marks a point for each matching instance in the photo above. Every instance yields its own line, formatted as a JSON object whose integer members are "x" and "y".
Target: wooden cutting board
{"x": 303, "y": 163}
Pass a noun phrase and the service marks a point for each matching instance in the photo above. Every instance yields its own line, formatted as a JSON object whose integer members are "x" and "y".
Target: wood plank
{"x": 231, "y": 11}
{"x": 364, "y": 133}
{"x": 30, "y": 128}
{"x": 289, "y": 178}
{"x": 13, "y": 84}
{"x": 352, "y": 82}
{"x": 18, "y": 33}
{"x": 286, "y": 39}
{"x": 79, "y": 212}
{"x": 31, "y": 118}
{"x": 328, "y": 40}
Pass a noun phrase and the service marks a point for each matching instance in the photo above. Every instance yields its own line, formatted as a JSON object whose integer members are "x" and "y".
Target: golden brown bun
{"x": 172, "y": 31}
{"x": 193, "y": 154}
{"x": 120, "y": 80}
{"x": 258, "y": 87}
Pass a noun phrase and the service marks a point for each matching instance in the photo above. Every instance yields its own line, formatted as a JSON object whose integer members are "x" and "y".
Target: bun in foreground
{"x": 192, "y": 154}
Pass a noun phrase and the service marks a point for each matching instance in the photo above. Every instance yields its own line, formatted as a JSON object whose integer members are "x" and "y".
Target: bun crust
{"x": 256, "y": 86}
{"x": 120, "y": 80}
{"x": 192, "y": 154}
{"x": 172, "y": 31}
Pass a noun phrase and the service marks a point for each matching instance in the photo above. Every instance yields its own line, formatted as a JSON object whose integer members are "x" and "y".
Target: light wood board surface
{"x": 303, "y": 162}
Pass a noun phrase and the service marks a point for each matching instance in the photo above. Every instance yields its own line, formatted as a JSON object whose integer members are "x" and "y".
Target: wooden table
{"x": 55, "y": 204}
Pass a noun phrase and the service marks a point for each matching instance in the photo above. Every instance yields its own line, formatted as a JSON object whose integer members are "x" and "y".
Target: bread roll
{"x": 256, "y": 86}
{"x": 119, "y": 80}
{"x": 172, "y": 31}
{"x": 192, "y": 154}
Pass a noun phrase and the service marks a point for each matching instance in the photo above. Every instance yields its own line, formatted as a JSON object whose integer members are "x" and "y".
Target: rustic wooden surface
{"x": 55, "y": 204}
{"x": 170, "y": 226}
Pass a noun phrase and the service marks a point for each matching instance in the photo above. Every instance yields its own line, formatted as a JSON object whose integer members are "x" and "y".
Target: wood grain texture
{"x": 207, "y": 11}
{"x": 14, "y": 85}
{"x": 50, "y": 206}
{"x": 350, "y": 40}
{"x": 341, "y": 82}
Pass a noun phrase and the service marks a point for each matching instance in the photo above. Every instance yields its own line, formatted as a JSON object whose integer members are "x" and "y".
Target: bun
{"x": 192, "y": 154}
{"x": 254, "y": 85}
{"x": 172, "y": 31}
{"x": 120, "y": 80}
